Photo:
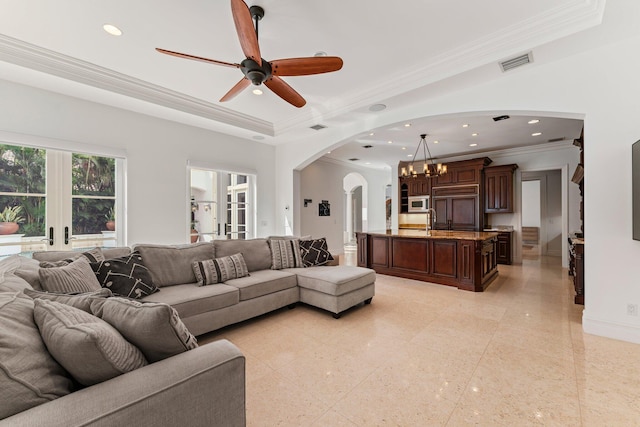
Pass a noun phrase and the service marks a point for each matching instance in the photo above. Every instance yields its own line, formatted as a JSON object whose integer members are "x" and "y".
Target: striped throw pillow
{"x": 220, "y": 270}
{"x": 75, "y": 278}
{"x": 285, "y": 253}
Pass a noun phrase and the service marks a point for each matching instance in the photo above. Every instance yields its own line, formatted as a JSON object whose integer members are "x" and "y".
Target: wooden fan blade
{"x": 284, "y": 91}
{"x": 239, "y": 87}
{"x": 306, "y": 66}
{"x": 246, "y": 33}
{"x": 197, "y": 58}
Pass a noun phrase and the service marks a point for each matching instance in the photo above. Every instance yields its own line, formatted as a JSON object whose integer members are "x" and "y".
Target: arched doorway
{"x": 355, "y": 187}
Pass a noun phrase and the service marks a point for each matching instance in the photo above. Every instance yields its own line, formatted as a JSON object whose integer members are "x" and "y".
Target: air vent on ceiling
{"x": 556, "y": 139}
{"x": 367, "y": 146}
{"x": 318, "y": 127}
{"x": 498, "y": 118}
{"x": 518, "y": 61}
{"x": 353, "y": 159}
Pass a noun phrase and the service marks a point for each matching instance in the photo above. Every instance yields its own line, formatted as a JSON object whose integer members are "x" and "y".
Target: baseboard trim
{"x": 615, "y": 330}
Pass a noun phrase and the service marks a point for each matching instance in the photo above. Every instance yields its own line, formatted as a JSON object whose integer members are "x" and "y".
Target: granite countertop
{"x": 439, "y": 234}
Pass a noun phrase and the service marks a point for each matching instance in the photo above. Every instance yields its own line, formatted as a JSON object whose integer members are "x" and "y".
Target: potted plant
{"x": 10, "y": 217}
{"x": 111, "y": 220}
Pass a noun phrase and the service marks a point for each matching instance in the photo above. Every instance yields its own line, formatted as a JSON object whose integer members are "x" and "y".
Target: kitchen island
{"x": 465, "y": 259}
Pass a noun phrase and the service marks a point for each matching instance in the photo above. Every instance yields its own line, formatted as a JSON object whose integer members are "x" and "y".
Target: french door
{"x": 221, "y": 205}
{"x": 61, "y": 200}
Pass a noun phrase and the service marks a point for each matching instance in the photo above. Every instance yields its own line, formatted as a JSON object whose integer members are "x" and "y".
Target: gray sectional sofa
{"x": 204, "y": 386}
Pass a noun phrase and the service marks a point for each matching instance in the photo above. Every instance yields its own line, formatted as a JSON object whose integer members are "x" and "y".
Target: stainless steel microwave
{"x": 418, "y": 203}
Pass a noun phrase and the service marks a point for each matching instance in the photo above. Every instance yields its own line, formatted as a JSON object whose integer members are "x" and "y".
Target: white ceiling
{"x": 391, "y": 55}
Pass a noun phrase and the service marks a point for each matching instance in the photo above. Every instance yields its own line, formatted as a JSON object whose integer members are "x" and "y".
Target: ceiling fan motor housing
{"x": 255, "y": 73}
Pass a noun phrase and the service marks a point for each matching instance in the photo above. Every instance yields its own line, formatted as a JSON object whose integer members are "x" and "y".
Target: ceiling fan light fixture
{"x": 320, "y": 53}
{"x": 257, "y": 91}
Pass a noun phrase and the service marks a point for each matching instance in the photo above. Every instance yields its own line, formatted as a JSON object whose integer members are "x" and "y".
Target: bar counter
{"x": 465, "y": 259}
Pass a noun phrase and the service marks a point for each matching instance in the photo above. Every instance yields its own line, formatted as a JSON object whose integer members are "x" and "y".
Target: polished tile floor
{"x": 431, "y": 355}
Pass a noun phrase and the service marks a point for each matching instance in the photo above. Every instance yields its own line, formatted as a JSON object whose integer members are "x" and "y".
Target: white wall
{"x": 531, "y": 203}
{"x": 157, "y": 152}
{"x": 323, "y": 180}
{"x": 600, "y": 85}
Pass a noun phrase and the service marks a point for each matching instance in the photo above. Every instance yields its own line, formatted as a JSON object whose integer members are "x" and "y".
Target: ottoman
{"x": 336, "y": 288}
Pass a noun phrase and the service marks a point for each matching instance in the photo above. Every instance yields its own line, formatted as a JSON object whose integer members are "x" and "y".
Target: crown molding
{"x": 37, "y": 58}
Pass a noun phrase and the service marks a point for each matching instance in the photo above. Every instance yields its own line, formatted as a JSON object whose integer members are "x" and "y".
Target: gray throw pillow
{"x": 81, "y": 301}
{"x": 92, "y": 255}
{"x": 77, "y": 277}
{"x": 211, "y": 271}
{"x": 90, "y": 349}
{"x": 155, "y": 328}
{"x": 29, "y": 376}
{"x": 285, "y": 253}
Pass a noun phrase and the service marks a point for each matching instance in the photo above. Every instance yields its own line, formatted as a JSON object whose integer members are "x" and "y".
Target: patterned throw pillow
{"x": 77, "y": 277}
{"x": 155, "y": 328}
{"x": 285, "y": 253}
{"x": 315, "y": 252}
{"x": 220, "y": 270}
{"x": 126, "y": 276}
{"x": 90, "y": 349}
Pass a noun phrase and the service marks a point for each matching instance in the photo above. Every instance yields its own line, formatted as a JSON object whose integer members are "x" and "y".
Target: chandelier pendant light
{"x": 429, "y": 168}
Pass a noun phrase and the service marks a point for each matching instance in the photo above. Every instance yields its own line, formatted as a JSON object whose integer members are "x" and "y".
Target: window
{"x": 63, "y": 200}
{"x": 221, "y": 205}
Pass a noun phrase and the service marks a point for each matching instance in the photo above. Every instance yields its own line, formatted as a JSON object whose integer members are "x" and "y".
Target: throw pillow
{"x": 315, "y": 252}
{"x": 29, "y": 270}
{"x": 89, "y": 348}
{"x": 77, "y": 277}
{"x": 220, "y": 270}
{"x": 29, "y": 376}
{"x": 126, "y": 276}
{"x": 81, "y": 301}
{"x": 285, "y": 253}
{"x": 93, "y": 255}
{"x": 155, "y": 328}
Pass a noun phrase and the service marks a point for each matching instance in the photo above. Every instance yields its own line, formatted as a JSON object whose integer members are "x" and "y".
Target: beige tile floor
{"x": 430, "y": 355}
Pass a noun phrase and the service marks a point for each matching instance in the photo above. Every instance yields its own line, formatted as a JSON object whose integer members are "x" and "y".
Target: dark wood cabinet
{"x": 503, "y": 248}
{"x": 576, "y": 268}
{"x": 463, "y": 173}
{"x": 404, "y": 196}
{"x": 416, "y": 185}
{"x": 363, "y": 244}
{"x": 498, "y": 189}
{"x": 457, "y": 208}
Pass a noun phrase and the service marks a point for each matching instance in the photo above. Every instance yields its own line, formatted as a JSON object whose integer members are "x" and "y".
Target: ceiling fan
{"x": 257, "y": 70}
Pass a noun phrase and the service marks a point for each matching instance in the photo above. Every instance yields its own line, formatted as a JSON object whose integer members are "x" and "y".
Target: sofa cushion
{"x": 171, "y": 264}
{"x": 315, "y": 252}
{"x": 90, "y": 349}
{"x": 285, "y": 253}
{"x": 29, "y": 270}
{"x": 29, "y": 376}
{"x": 256, "y": 252}
{"x": 76, "y": 277}
{"x": 9, "y": 282}
{"x": 154, "y": 328}
{"x": 211, "y": 271}
{"x": 127, "y": 276}
{"x": 263, "y": 282}
{"x": 336, "y": 280}
{"x": 190, "y": 300}
{"x": 80, "y": 301}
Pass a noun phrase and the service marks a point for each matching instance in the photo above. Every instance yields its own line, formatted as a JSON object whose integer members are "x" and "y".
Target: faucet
{"x": 430, "y": 219}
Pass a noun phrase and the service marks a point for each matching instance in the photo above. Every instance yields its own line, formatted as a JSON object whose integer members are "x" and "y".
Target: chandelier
{"x": 429, "y": 168}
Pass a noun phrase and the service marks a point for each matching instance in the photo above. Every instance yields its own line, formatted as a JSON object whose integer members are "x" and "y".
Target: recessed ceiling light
{"x": 371, "y": 134}
{"x": 377, "y": 107}
{"x": 407, "y": 125}
{"x": 257, "y": 92}
{"x": 409, "y": 155}
{"x": 436, "y": 141}
{"x": 536, "y": 134}
{"x": 328, "y": 152}
{"x": 367, "y": 163}
{"x": 112, "y": 29}
{"x": 466, "y": 125}
{"x": 473, "y": 145}
{"x": 474, "y": 134}
{"x": 404, "y": 148}
{"x": 389, "y": 142}
{"x": 533, "y": 122}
